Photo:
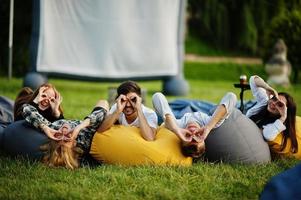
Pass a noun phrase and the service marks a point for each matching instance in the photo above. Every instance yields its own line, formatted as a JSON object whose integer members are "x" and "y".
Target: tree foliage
{"x": 287, "y": 27}
{"x": 236, "y": 24}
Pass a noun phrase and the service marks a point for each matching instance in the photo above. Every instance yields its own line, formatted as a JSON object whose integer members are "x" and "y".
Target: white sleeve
{"x": 258, "y": 92}
{"x": 151, "y": 117}
{"x": 183, "y": 121}
{"x": 260, "y": 96}
{"x": 113, "y": 108}
{"x": 270, "y": 131}
{"x": 199, "y": 117}
{"x": 229, "y": 101}
{"x": 153, "y": 120}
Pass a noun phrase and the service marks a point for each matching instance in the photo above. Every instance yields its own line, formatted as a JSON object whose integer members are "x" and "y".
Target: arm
{"x": 171, "y": 124}
{"x": 55, "y": 106}
{"x": 222, "y": 112}
{"x": 258, "y": 88}
{"x": 114, "y": 114}
{"x": 108, "y": 121}
{"x": 257, "y": 82}
{"x": 147, "y": 132}
{"x": 161, "y": 106}
{"x": 97, "y": 117}
{"x": 32, "y": 116}
{"x": 270, "y": 131}
{"x": 217, "y": 116}
{"x": 79, "y": 127}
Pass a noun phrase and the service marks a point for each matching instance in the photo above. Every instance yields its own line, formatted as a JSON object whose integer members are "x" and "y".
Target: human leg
{"x": 103, "y": 104}
{"x": 161, "y": 105}
{"x": 229, "y": 101}
{"x": 223, "y": 110}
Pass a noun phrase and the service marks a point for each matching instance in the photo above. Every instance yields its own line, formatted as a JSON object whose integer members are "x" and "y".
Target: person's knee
{"x": 232, "y": 97}
{"x": 161, "y": 105}
{"x": 104, "y": 104}
{"x": 229, "y": 101}
{"x": 158, "y": 95}
{"x": 157, "y": 99}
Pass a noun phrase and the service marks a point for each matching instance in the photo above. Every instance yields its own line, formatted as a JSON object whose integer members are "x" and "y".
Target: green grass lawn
{"x": 23, "y": 179}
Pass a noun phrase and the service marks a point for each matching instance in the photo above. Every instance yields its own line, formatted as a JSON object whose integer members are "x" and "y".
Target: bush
{"x": 287, "y": 27}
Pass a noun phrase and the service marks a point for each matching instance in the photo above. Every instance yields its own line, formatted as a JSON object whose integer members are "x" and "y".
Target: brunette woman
{"x": 275, "y": 114}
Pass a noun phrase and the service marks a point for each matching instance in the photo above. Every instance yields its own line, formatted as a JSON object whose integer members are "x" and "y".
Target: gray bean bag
{"x": 19, "y": 138}
{"x": 6, "y": 114}
{"x": 237, "y": 140}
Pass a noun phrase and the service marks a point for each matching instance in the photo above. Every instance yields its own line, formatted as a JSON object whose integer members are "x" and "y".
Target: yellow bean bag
{"x": 124, "y": 145}
{"x": 275, "y": 145}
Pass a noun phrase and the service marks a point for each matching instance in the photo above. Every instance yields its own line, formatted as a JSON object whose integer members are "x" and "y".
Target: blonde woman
{"x": 70, "y": 139}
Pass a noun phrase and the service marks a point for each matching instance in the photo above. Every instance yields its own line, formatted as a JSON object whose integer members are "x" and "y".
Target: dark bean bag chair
{"x": 285, "y": 185}
{"x": 20, "y": 138}
{"x": 6, "y": 114}
{"x": 237, "y": 140}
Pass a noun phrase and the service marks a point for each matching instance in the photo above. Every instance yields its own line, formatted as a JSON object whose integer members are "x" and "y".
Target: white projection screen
{"x": 109, "y": 38}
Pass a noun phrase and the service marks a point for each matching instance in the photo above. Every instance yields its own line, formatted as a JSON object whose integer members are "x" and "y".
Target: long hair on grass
{"x": 59, "y": 155}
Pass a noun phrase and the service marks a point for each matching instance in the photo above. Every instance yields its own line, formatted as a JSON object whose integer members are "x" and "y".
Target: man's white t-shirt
{"x": 149, "y": 114}
{"x": 229, "y": 101}
{"x": 201, "y": 118}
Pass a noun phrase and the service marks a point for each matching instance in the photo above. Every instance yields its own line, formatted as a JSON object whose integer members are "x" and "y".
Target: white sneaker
{"x": 161, "y": 105}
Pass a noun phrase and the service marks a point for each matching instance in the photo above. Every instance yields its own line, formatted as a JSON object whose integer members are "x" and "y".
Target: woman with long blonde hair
{"x": 62, "y": 154}
{"x": 70, "y": 139}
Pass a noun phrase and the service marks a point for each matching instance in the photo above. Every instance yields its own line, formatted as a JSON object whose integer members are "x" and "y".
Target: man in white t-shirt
{"x": 129, "y": 111}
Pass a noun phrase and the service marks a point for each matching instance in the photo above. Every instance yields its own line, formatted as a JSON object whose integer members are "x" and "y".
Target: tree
{"x": 287, "y": 27}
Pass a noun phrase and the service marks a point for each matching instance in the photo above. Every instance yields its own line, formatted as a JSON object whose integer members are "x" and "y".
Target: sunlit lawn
{"x": 22, "y": 179}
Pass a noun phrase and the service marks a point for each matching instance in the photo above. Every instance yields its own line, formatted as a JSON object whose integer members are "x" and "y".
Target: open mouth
{"x": 44, "y": 103}
{"x": 193, "y": 141}
{"x": 128, "y": 109}
{"x": 197, "y": 138}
